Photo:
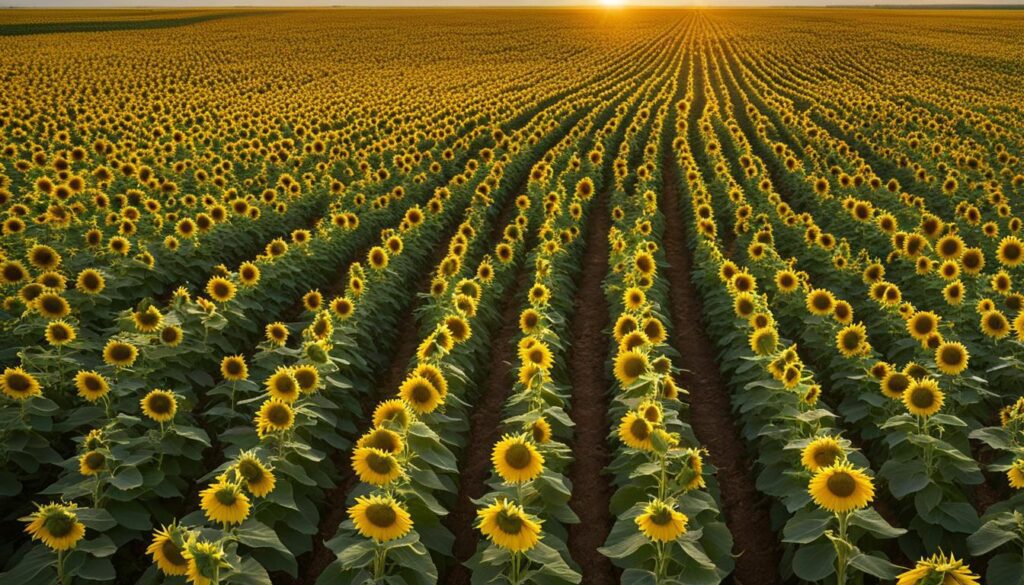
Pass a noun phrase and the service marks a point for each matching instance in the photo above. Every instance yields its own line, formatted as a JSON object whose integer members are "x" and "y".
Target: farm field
{"x": 559, "y": 296}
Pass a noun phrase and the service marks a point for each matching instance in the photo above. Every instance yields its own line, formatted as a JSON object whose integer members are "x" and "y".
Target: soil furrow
{"x": 591, "y": 489}
{"x": 745, "y": 511}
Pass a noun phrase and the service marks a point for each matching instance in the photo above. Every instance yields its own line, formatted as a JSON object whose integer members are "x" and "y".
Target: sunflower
{"x": 633, "y": 299}
{"x": 661, "y": 522}
{"x": 820, "y": 302}
{"x": 120, "y": 354}
{"x": 51, "y": 305}
{"x": 537, "y": 354}
{"x": 233, "y": 368}
{"x": 43, "y": 257}
{"x": 224, "y": 502}
{"x": 205, "y": 561}
{"x": 922, "y": 324}
{"x": 459, "y": 328}
{"x": 420, "y": 394}
{"x": 433, "y": 375}
{"x": 220, "y": 289}
{"x": 923, "y": 398}
{"x": 894, "y": 384}
{"x": 383, "y": 440}
{"x": 629, "y": 366}
{"x": 56, "y": 525}
{"x": 91, "y": 386}
{"x": 763, "y": 341}
{"x": 282, "y": 385}
{"x": 841, "y": 488}
{"x": 954, "y": 293}
{"x": 19, "y": 384}
{"x": 342, "y": 307}
{"x": 394, "y": 412}
{"x": 851, "y": 341}
{"x": 171, "y": 335}
{"x": 994, "y": 324}
{"x": 635, "y": 431}
{"x": 274, "y": 416}
{"x": 1010, "y": 251}
{"x": 92, "y": 463}
{"x": 939, "y": 570}
{"x": 951, "y": 358}
{"x": 516, "y": 459}
{"x": 277, "y": 333}
{"x": 821, "y": 453}
{"x": 259, "y": 480}
{"x": 248, "y": 274}
{"x": 308, "y": 378}
{"x": 159, "y": 405}
{"x": 375, "y": 466}
{"x": 540, "y": 431}
{"x": 509, "y": 526}
{"x": 381, "y": 518}
{"x": 167, "y": 548}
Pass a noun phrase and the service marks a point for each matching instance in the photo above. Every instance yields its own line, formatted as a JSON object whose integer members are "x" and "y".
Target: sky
{"x": 422, "y": 3}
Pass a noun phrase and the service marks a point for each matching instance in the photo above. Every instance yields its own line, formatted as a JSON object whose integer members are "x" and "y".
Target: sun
{"x": 613, "y": 3}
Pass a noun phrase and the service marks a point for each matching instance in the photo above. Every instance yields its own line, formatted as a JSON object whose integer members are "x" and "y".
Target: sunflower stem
{"x": 842, "y": 547}
{"x": 60, "y": 567}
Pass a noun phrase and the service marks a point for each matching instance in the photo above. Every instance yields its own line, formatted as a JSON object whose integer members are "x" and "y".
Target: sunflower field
{"x": 573, "y": 296}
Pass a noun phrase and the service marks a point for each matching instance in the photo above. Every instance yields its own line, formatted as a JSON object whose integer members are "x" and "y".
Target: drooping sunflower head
{"x": 392, "y": 413}
{"x": 225, "y": 502}
{"x": 763, "y": 341}
{"x": 507, "y": 525}
{"x": 375, "y": 466}
{"x": 382, "y": 439}
{"x": 661, "y": 522}
{"x": 166, "y": 548}
{"x": 841, "y": 488}
{"x": 381, "y": 518}
{"x": 56, "y": 525}
{"x": 941, "y": 570}
{"x": 205, "y": 561}
{"x": 258, "y": 478}
{"x": 516, "y": 459}
{"x": 822, "y": 452}
{"x": 540, "y": 431}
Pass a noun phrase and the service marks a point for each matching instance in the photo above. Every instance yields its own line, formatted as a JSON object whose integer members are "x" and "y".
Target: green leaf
{"x": 993, "y": 534}
{"x": 872, "y": 521}
{"x": 97, "y": 570}
{"x": 96, "y": 519}
{"x": 1005, "y": 569}
{"x": 625, "y": 547}
{"x": 805, "y": 528}
{"x": 128, "y": 477}
{"x": 875, "y": 566}
{"x": 814, "y": 562}
{"x": 38, "y": 559}
{"x": 101, "y": 546}
{"x": 255, "y": 534}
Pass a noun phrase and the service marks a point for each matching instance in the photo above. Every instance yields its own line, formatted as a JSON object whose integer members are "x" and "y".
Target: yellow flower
{"x": 148, "y": 320}
{"x": 233, "y": 368}
{"x": 274, "y": 416}
{"x": 166, "y": 549}
{"x": 635, "y": 431}
{"x": 420, "y": 394}
{"x": 851, "y": 341}
{"x": 224, "y": 502}
{"x": 923, "y": 397}
{"x": 91, "y": 386}
{"x": 259, "y": 479}
{"x": 509, "y": 526}
{"x": 939, "y": 570}
{"x": 380, "y": 518}
{"x": 841, "y": 488}
{"x": 277, "y": 333}
{"x": 629, "y": 366}
{"x": 951, "y": 358}
{"x": 820, "y": 453}
{"x": 220, "y": 289}
{"x": 516, "y": 460}
{"x": 1015, "y": 475}
{"x": 19, "y": 384}
{"x": 375, "y": 466}
{"x": 820, "y": 302}
{"x": 382, "y": 439}
{"x": 392, "y": 412}
{"x": 661, "y": 522}
{"x": 59, "y": 333}
{"x": 205, "y": 560}
{"x": 91, "y": 463}
{"x": 56, "y": 525}
{"x": 282, "y": 385}
{"x": 120, "y": 354}
{"x": 159, "y": 405}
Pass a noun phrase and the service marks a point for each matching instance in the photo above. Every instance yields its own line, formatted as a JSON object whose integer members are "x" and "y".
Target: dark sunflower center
{"x": 381, "y": 515}
{"x": 59, "y": 333}
{"x": 922, "y": 397}
{"x": 899, "y": 383}
{"x": 52, "y": 304}
{"x": 421, "y": 393}
{"x": 383, "y": 440}
{"x": 234, "y": 367}
{"x": 92, "y": 384}
{"x": 278, "y": 415}
{"x": 851, "y": 340}
{"x": 59, "y": 525}
{"x": 19, "y": 382}
{"x": 662, "y": 517}
{"x": 821, "y": 302}
{"x": 842, "y": 484}
{"x": 160, "y": 404}
{"x": 226, "y": 496}
{"x": 120, "y": 352}
{"x": 380, "y": 464}
{"x": 1012, "y": 252}
{"x": 923, "y": 326}
{"x": 285, "y": 385}
{"x": 825, "y": 456}
{"x": 951, "y": 356}
{"x": 221, "y": 290}
{"x": 633, "y": 366}
{"x": 172, "y": 553}
{"x": 995, "y": 322}
{"x": 640, "y": 429}
{"x": 509, "y": 523}
{"x": 95, "y": 460}
{"x": 518, "y": 456}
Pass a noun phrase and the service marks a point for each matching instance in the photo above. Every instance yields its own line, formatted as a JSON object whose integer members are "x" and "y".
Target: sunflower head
{"x": 516, "y": 459}
{"x": 941, "y": 570}
{"x": 119, "y": 353}
{"x": 841, "y": 488}
{"x": 18, "y": 384}
{"x": 56, "y": 525}
{"x": 507, "y": 525}
{"x": 225, "y": 502}
{"x": 258, "y": 478}
{"x": 274, "y": 416}
{"x": 661, "y": 522}
{"x": 376, "y": 466}
{"x": 821, "y": 453}
{"x": 381, "y": 518}
{"x": 159, "y": 405}
{"x": 166, "y": 548}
